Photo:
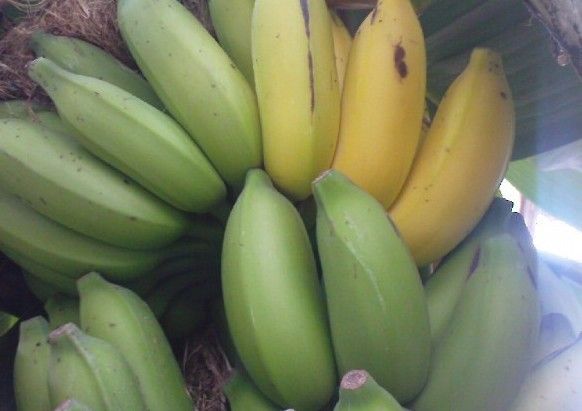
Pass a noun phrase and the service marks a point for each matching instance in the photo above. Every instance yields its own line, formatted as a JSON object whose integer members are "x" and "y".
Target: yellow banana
{"x": 383, "y": 100}
{"x": 342, "y": 42}
{"x": 297, "y": 91}
{"x": 464, "y": 157}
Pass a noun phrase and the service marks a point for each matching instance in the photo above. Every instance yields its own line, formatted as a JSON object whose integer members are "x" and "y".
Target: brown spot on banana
{"x": 306, "y": 17}
{"x": 399, "y": 57}
{"x": 474, "y": 262}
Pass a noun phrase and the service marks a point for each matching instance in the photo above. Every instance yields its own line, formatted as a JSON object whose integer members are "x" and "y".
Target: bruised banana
{"x": 268, "y": 273}
{"x": 57, "y": 177}
{"x": 360, "y": 392}
{"x": 376, "y": 304}
{"x": 132, "y": 136}
{"x": 232, "y": 20}
{"x": 383, "y": 100}
{"x": 62, "y": 309}
{"x": 117, "y": 315}
{"x": 90, "y": 370}
{"x": 342, "y": 42}
{"x": 31, "y": 366}
{"x": 81, "y": 57}
{"x": 243, "y": 395}
{"x": 484, "y": 354}
{"x": 26, "y": 233}
{"x": 464, "y": 157}
{"x": 197, "y": 82}
{"x": 297, "y": 91}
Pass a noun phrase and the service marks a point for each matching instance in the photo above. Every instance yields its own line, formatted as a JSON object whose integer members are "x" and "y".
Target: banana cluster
{"x": 282, "y": 183}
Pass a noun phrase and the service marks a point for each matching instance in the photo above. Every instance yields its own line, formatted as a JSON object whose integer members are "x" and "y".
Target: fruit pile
{"x": 287, "y": 178}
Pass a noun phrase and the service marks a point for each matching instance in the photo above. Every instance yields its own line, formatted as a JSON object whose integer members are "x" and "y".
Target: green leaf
{"x": 548, "y": 96}
{"x": 553, "y": 181}
{"x": 7, "y": 321}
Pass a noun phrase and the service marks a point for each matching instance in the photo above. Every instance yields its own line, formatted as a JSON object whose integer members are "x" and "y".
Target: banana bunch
{"x": 106, "y": 351}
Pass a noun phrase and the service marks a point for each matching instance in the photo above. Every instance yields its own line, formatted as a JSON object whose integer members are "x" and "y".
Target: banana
{"x": 383, "y": 100}
{"x": 26, "y": 233}
{"x": 72, "y": 405}
{"x": 62, "y": 309}
{"x": 232, "y": 20}
{"x": 556, "y": 332}
{"x": 40, "y": 289}
{"x": 19, "y": 108}
{"x": 243, "y": 395}
{"x": 184, "y": 316}
{"x": 554, "y": 383}
{"x": 61, "y": 180}
{"x": 197, "y": 82}
{"x": 31, "y": 366}
{"x": 90, "y": 370}
{"x": 297, "y": 91}
{"x": 444, "y": 288}
{"x": 7, "y": 322}
{"x": 377, "y": 308}
{"x": 136, "y": 138}
{"x": 81, "y": 57}
{"x": 117, "y": 315}
{"x": 55, "y": 281}
{"x": 484, "y": 354}
{"x": 269, "y": 274}
{"x": 220, "y": 327}
{"x": 464, "y": 157}
{"x": 360, "y": 392}
{"x": 342, "y": 42}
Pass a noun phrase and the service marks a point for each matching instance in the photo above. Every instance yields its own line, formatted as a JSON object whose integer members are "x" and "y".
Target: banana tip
{"x": 354, "y": 379}
{"x": 66, "y": 329}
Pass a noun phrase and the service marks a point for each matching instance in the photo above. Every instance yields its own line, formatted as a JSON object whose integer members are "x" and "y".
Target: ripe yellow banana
{"x": 297, "y": 91}
{"x": 232, "y": 20}
{"x": 383, "y": 100}
{"x": 197, "y": 82}
{"x": 461, "y": 163}
{"x": 342, "y": 42}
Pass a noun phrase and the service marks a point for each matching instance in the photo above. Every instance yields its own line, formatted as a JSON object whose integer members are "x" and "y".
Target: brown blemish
{"x": 475, "y": 262}
{"x": 354, "y": 380}
{"x": 306, "y": 18}
{"x": 503, "y": 95}
{"x": 374, "y": 14}
{"x": 399, "y": 56}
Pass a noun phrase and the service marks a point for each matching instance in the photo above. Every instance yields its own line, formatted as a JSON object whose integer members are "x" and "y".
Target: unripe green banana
{"x": 31, "y": 366}
{"x": 220, "y": 326}
{"x": 554, "y": 383}
{"x": 360, "y": 392}
{"x": 231, "y": 20}
{"x": 297, "y": 91}
{"x": 197, "y": 82}
{"x": 119, "y": 316}
{"x": 273, "y": 300}
{"x": 72, "y": 405}
{"x": 56, "y": 176}
{"x": 136, "y": 138}
{"x": 184, "y": 315}
{"x": 377, "y": 309}
{"x": 62, "y": 309}
{"x": 28, "y": 234}
{"x": 39, "y": 288}
{"x": 18, "y": 108}
{"x": 483, "y": 356}
{"x": 91, "y": 370}
{"x": 243, "y": 395}
{"x": 55, "y": 281}
{"x": 81, "y": 57}
{"x": 7, "y": 321}
{"x": 444, "y": 288}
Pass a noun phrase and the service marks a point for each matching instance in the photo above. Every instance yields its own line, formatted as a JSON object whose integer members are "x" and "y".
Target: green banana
{"x": 243, "y": 395}
{"x": 91, "y": 370}
{"x": 444, "y": 288}
{"x": 72, "y": 405}
{"x": 31, "y": 366}
{"x": 81, "y": 57}
{"x": 197, "y": 82}
{"x": 360, "y": 392}
{"x": 18, "y": 108}
{"x": 55, "y": 281}
{"x": 554, "y": 383}
{"x": 57, "y": 177}
{"x": 220, "y": 327}
{"x": 377, "y": 309}
{"x": 62, "y": 309}
{"x": 136, "y": 138}
{"x": 184, "y": 316}
{"x": 232, "y": 20}
{"x": 28, "y": 234}
{"x": 273, "y": 300}
{"x": 117, "y": 315}
{"x": 39, "y": 288}
{"x": 486, "y": 350}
